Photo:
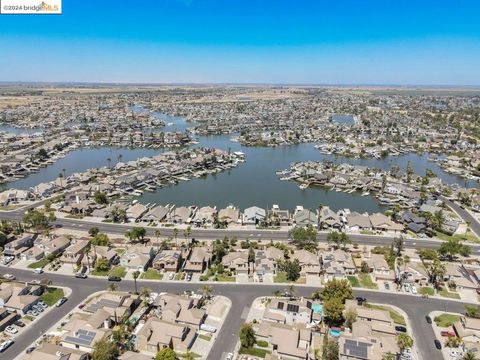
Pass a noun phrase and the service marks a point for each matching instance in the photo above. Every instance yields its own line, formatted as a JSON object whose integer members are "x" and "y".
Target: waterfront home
{"x": 309, "y": 262}
{"x": 16, "y": 247}
{"x": 236, "y": 262}
{"x": 168, "y": 260}
{"x": 381, "y": 222}
{"x": 74, "y": 253}
{"x": 305, "y": 217}
{"x": 83, "y": 330}
{"x": 135, "y": 212}
{"x": 357, "y": 222}
{"x": 229, "y": 215}
{"x": 413, "y": 222}
{"x": 328, "y": 218}
{"x": 158, "y": 214}
{"x": 266, "y": 261}
{"x": 157, "y": 334}
{"x": 204, "y": 216}
{"x": 180, "y": 215}
{"x": 54, "y": 246}
{"x": 137, "y": 257}
{"x": 279, "y": 217}
{"x": 254, "y": 215}
{"x": 19, "y": 297}
{"x": 198, "y": 260}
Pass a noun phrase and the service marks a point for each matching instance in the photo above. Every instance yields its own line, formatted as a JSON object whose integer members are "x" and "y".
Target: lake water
{"x": 251, "y": 183}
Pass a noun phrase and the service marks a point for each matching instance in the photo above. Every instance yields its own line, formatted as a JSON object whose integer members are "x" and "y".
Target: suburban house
{"x": 137, "y": 257}
{"x": 357, "y": 222}
{"x": 254, "y": 215}
{"x": 16, "y": 247}
{"x": 379, "y": 268}
{"x": 198, "y": 260}
{"x": 305, "y": 217}
{"x": 168, "y": 260}
{"x": 135, "y": 212}
{"x": 266, "y": 260}
{"x": 309, "y": 262}
{"x": 54, "y": 246}
{"x": 19, "y": 297}
{"x": 75, "y": 252}
{"x": 157, "y": 214}
{"x": 329, "y": 218}
{"x": 236, "y": 262}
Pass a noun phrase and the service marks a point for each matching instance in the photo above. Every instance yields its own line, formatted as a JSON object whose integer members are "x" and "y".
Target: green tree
{"x": 136, "y": 234}
{"x": 304, "y": 238}
{"x": 102, "y": 265}
{"x": 105, "y": 350}
{"x": 469, "y": 355}
{"x": 333, "y": 309}
{"x": 330, "y": 350}
{"x": 136, "y": 274}
{"x": 35, "y": 219}
{"x": 339, "y": 289}
{"x": 350, "y": 316}
{"x": 453, "y": 247}
{"x": 436, "y": 271}
{"x": 93, "y": 231}
{"x": 404, "y": 341}
{"x": 247, "y": 335}
{"x": 100, "y": 197}
{"x": 166, "y": 354}
{"x": 100, "y": 240}
{"x": 334, "y": 237}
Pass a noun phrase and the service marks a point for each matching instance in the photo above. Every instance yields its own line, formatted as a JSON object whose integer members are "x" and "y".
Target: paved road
{"x": 241, "y": 234}
{"x": 241, "y": 295}
{"x": 464, "y": 214}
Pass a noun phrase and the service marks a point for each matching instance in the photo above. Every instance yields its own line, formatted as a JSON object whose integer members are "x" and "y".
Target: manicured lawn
{"x": 51, "y": 296}
{"x": 281, "y": 277}
{"x": 205, "y": 337}
{"x": 395, "y": 315}
{"x": 366, "y": 281}
{"x": 118, "y": 271}
{"x": 224, "y": 278}
{"x": 39, "y": 264}
{"x": 262, "y": 343}
{"x": 100, "y": 272}
{"x": 426, "y": 290}
{"x": 254, "y": 352}
{"x": 446, "y": 320}
{"x": 120, "y": 251}
{"x": 448, "y": 294}
{"x": 469, "y": 236}
{"x": 151, "y": 274}
{"x": 353, "y": 281}
{"x": 367, "y": 232}
{"x": 195, "y": 355}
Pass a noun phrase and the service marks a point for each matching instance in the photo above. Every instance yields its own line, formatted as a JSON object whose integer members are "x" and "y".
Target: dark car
{"x": 81, "y": 275}
{"x": 438, "y": 344}
{"x": 30, "y": 349}
{"x": 429, "y": 319}
{"x": 402, "y": 329}
{"x": 360, "y": 300}
{"x": 19, "y": 323}
{"x": 114, "y": 278}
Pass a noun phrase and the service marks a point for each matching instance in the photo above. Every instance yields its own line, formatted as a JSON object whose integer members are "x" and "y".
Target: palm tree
{"x": 109, "y": 161}
{"x": 207, "y": 291}
{"x": 136, "y": 274}
{"x": 404, "y": 341}
{"x": 291, "y": 291}
{"x": 175, "y": 234}
{"x": 186, "y": 233}
{"x": 61, "y": 179}
{"x": 277, "y": 293}
{"x": 119, "y": 158}
{"x": 157, "y": 235}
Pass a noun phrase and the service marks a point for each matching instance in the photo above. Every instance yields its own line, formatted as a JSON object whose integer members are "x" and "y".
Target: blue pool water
{"x": 334, "y": 333}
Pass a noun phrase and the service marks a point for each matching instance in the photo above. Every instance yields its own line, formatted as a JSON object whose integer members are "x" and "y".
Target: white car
{"x": 229, "y": 356}
{"x": 171, "y": 276}
{"x": 11, "y": 330}
{"x": 413, "y": 289}
{"x": 406, "y": 288}
{"x": 35, "y": 282}
{"x": 38, "y": 271}
{"x": 5, "y": 345}
{"x": 9, "y": 277}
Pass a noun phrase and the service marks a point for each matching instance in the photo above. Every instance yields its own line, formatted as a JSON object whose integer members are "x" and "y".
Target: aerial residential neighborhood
{"x": 239, "y": 180}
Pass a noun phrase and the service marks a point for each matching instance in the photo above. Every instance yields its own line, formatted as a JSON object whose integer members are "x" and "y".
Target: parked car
{"x": 35, "y": 282}
{"x": 429, "y": 319}
{"x": 5, "y": 345}
{"x": 413, "y": 289}
{"x": 81, "y": 306}
{"x": 360, "y": 300}
{"x": 30, "y": 349}
{"x": 402, "y": 329}
{"x": 171, "y": 276}
{"x": 438, "y": 344}
{"x": 61, "y": 302}
{"x": 406, "y": 288}
{"x": 19, "y": 323}
{"x": 81, "y": 275}
{"x": 9, "y": 277}
{"x": 38, "y": 271}
{"x": 447, "y": 333}
{"x": 11, "y": 330}
{"x": 114, "y": 278}
{"x": 387, "y": 286}
{"x": 229, "y": 356}
{"x": 189, "y": 276}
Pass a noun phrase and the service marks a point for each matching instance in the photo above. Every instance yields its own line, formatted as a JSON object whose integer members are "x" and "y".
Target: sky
{"x": 404, "y": 42}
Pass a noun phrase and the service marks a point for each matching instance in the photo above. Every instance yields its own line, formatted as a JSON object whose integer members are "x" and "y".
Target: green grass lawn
{"x": 151, "y": 274}
{"x": 366, "y": 281}
{"x": 118, "y": 271}
{"x": 205, "y": 337}
{"x": 426, "y": 290}
{"x": 281, "y": 277}
{"x": 261, "y": 353}
{"x": 446, "y": 320}
{"x": 195, "y": 355}
{"x": 120, "y": 251}
{"x": 51, "y": 296}
{"x": 224, "y": 278}
{"x": 39, "y": 264}
{"x": 353, "y": 281}
{"x": 100, "y": 272}
{"x": 469, "y": 236}
{"x": 395, "y": 315}
{"x": 367, "y": 232}
{"x": 448, "y": 294}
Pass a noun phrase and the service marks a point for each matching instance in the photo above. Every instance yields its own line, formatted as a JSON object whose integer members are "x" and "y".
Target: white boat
{"x": 303, "y": 186}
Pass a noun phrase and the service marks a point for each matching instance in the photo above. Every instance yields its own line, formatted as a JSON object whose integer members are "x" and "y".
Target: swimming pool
{"x": 317, "y": 308}
{"x": 334, "y": 332}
